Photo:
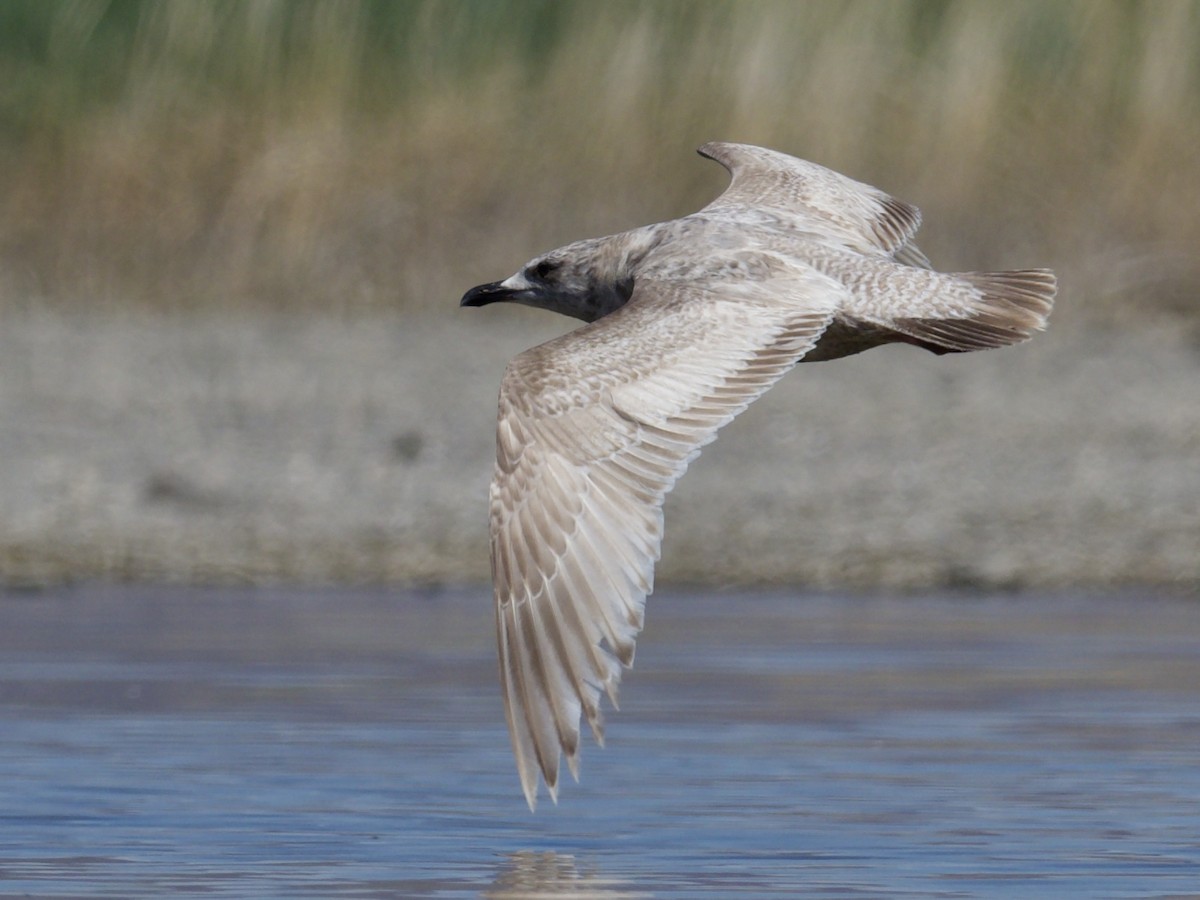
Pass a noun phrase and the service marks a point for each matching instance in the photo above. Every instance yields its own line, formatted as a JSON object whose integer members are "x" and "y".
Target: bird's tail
{"x": 1001, "y": 308}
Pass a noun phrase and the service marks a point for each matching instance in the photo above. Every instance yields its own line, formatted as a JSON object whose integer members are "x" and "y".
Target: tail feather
{"x": 1010, "y": 308}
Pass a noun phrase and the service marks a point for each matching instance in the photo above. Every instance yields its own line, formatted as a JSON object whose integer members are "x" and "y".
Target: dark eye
{"x": 544, "y": 268}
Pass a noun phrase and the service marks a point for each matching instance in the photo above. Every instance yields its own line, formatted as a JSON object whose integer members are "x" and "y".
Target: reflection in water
{"x": 545, "y": 875}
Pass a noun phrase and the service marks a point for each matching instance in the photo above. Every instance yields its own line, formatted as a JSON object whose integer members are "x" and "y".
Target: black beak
{"x": 487, "y": 293}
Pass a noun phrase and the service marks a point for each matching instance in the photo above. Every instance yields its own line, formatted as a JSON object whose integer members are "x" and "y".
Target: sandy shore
{"x": 267, "y": 448}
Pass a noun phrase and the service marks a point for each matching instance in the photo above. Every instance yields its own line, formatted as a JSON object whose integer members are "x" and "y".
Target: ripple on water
{"x": 351, "y": 743}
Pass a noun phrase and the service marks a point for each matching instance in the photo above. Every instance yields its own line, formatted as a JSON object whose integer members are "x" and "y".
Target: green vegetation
{"x": 345, "y": 155}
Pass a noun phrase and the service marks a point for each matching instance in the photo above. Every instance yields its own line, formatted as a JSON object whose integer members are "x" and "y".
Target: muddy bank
{"x": 266, "y": 447}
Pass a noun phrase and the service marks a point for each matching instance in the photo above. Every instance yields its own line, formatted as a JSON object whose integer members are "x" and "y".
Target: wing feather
{"x": 594, "y": 429}
{"x": 860, "y": 216}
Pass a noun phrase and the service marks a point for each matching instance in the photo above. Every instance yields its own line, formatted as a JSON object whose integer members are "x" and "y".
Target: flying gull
{"x": 689, "y": 322}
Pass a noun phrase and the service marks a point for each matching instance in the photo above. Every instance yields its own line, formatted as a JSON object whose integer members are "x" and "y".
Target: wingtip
{"x": 714, "y": 150}
{"x": 573, "y": 765}
{"x": 530, "y": 790}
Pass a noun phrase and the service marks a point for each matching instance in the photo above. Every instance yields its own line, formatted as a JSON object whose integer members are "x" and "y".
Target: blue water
{"x": 276, "y": 743}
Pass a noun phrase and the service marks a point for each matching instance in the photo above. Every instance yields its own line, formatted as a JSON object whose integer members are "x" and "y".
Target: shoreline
{"x": 265, "y": 447}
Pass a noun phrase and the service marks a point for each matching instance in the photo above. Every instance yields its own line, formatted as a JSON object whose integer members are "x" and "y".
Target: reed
{"x": 351, "y": 155}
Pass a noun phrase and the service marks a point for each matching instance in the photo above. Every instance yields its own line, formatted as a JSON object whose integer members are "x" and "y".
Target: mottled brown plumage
{"x": 689, "y": 322}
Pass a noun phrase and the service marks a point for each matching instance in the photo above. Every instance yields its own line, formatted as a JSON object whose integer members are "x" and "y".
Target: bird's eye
{"x": 544, "y": 268}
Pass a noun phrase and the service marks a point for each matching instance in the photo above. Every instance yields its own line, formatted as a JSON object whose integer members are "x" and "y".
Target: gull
{"x": 688, "y": 322}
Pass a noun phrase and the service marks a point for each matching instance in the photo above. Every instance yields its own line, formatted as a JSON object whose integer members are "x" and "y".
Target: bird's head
{"x": 585, "y": 280}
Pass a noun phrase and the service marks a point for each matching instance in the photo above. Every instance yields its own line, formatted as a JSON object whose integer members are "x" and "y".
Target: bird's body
{"x": 689, "y": 322}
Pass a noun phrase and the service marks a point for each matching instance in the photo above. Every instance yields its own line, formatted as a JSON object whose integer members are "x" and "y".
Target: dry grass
{"x": 348, "y": 155}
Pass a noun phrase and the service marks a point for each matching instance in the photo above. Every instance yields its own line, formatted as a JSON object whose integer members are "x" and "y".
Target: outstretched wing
{"x": 817, "y": 199}
{"x": 594, "y": 429}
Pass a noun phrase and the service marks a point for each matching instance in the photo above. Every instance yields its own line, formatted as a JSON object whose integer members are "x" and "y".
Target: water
{"x": 278, "y": 743}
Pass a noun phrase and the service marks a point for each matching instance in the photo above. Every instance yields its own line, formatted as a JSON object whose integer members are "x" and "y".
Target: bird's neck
{"x": 634, "y": 246}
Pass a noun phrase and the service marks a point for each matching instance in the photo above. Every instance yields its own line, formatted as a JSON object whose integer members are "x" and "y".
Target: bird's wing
{"x": 816, "y": 199}
{"x": 594, "y": 428}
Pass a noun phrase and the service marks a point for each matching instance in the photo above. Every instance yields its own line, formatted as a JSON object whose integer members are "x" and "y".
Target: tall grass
{"x": 348, "y": 154}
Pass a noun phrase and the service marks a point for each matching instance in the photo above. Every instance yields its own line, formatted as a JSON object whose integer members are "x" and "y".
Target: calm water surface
{"x": 280, "y": 743}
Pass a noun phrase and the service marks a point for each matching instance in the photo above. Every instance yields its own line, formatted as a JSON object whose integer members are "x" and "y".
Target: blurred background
{"x": 233, "y": 236}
